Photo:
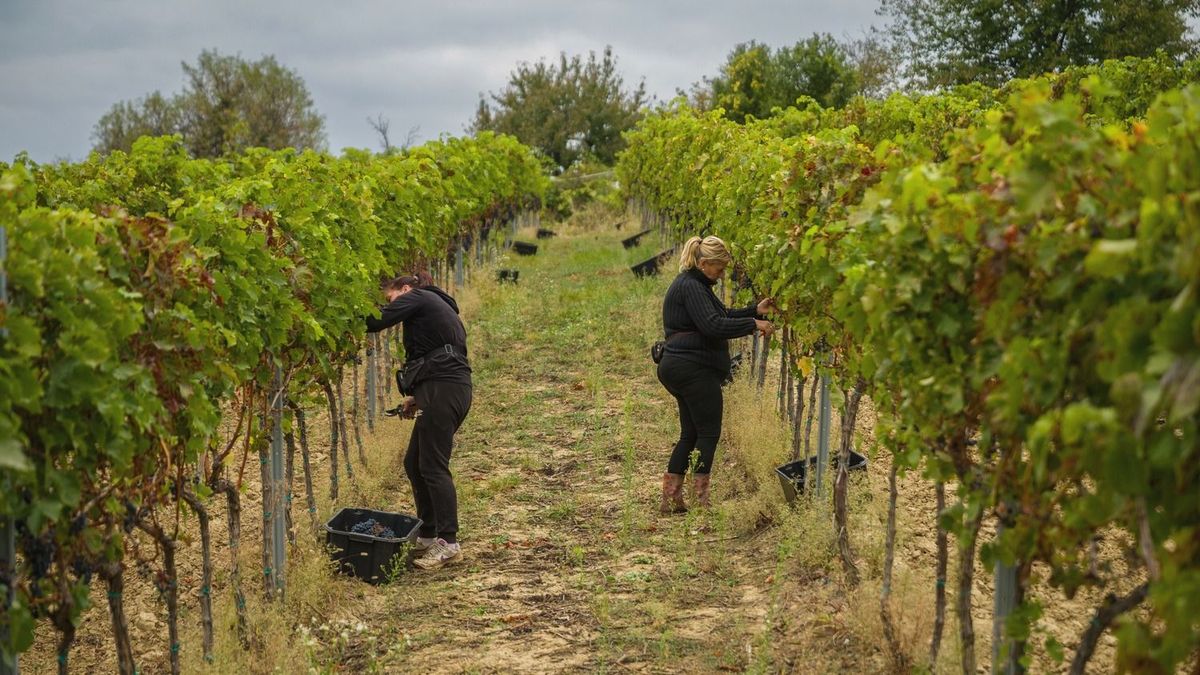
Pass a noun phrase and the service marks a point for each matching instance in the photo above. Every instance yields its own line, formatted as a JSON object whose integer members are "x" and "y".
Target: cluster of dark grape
{"x": 373, "y": 528}
{"x": 38, "y": 552}
{"x": 83, "y": 569}
{"x": 132, "y": 515}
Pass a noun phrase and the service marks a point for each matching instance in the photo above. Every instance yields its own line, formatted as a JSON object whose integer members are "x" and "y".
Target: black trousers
{"x": 443, "y": 406}
{"x": 697, "y": 389}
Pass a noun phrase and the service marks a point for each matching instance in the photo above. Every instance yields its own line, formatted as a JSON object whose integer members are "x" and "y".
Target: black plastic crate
{"x": 508, "y": 276}
{"x": 650, "y": 267}
{"x": 543, "y": 233}
{"x": 524, "y": 248}
{"x": 630, "y": 242}
{"x": 366, "y": 556}
{"x": 646, "y": 268}
{"x": 793, "y": 475}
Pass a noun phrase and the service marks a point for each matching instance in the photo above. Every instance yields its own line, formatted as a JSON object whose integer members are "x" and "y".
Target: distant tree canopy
{"x": 227, "y": 104}
{"x": 570, "y": 109}
{"x": 948, "y": 42}
{"x": 754, "y": 78}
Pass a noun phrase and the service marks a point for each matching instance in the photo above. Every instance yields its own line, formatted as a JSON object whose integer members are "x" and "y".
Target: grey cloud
{"x": 63, "y": 63}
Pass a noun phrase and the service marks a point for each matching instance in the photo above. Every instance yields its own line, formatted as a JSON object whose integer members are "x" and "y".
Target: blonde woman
{"x": 696, "y": 361}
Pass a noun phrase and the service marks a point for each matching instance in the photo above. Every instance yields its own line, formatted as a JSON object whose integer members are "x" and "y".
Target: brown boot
{"x": 700, "y": 487}
{"x": 672, "y": 494}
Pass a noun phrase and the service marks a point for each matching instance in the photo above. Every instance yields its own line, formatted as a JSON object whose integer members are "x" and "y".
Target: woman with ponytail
{"x": 696, "y": 362}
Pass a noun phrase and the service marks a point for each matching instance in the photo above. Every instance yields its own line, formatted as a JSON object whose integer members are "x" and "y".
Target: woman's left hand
{"x": 766, "y": 306}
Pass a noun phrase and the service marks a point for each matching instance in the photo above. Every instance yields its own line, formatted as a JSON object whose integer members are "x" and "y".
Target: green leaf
{"x": 1110, "y": 258}
{"x": 11, "y": 456}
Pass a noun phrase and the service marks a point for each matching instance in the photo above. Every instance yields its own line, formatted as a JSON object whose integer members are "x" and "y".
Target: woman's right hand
{"x": 763, "y": 327}
{"x": 408, "y": 409}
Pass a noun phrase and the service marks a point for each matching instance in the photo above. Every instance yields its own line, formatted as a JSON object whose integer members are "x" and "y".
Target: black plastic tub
{"x": 524, "y": 248}
{"x": 650, "y": 267}
{"x": 630, "y": 242}
{"x": 543, "y": 233}
{"x": 735, "y": 365}
{"x": 507, "y": 276}
{"x": 366, "y": 556}
{"x": 792, "y": 475}
{"x": 647, "y": 268}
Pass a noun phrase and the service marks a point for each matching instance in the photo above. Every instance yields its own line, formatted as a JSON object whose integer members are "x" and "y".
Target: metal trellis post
{"x": 280, "y": 489}
{"x": 371, "y": 340}
{"x": 458, "y": 267}
{"x": 823, "y": 422}
{"x": 1005, "y": 604}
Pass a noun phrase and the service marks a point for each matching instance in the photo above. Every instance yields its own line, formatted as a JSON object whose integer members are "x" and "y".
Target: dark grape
{"x": 83, "y": 569}
{"x": 39, "y": 554}
{"x": 372, "y": 527}
{"x": 131, "y": 517}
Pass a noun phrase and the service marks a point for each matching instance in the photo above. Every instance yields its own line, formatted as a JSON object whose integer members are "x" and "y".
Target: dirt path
{"x": 568, "y": 565}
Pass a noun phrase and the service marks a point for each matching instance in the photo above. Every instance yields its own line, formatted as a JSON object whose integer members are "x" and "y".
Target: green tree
{"x": 743, "y": 88}
{"x": 127, "y": 121}
{"x": 755, "y": 79}
{"x": 818, "y": 67}
{"x": 569, "y": 109}
{"x": 876, "y": 64}
{"x": 948, "y": 42}
{"x": 227, "y": 104}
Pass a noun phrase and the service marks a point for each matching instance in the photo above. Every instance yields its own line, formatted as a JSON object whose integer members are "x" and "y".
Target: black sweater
{"x": 430, "y": 318}
{"x": 692, "y": 308}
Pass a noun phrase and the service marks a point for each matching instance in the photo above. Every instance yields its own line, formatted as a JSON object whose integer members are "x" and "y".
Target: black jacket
{"x": 692, "y": 308}
{"x": 430, "y": 318}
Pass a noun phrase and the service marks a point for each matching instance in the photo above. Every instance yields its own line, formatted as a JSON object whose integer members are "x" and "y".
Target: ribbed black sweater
{"x": 692, "y": 308}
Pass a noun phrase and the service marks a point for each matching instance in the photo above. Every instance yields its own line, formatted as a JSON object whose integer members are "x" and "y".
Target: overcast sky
{"x": 63, "y": 63}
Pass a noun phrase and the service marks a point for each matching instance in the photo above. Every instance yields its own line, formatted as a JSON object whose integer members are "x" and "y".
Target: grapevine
{"x": 1011, "y": 275}
{"x": 152, "y": 294}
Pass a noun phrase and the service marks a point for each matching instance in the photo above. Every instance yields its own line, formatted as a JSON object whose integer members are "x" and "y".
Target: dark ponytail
{"x": 418, "y": 279}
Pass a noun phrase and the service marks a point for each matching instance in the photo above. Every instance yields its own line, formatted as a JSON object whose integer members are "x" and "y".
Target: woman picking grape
{"x": 437, "y": 381}
{"x": 695, "y": 362}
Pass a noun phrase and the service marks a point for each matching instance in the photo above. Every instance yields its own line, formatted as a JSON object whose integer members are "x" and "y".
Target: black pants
{"x": 444, "y": 406}
{"x": 697, "y": 389}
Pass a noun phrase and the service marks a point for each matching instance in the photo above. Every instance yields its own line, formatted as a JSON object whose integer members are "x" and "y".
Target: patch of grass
{"x": 564, "y": 510}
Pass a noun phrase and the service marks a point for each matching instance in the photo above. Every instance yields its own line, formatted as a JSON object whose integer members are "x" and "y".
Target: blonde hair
{"x": 708, "y": 248}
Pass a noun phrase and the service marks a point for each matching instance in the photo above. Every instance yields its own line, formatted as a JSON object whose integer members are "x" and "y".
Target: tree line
{"x": 572, "y": 109}
{"x": 576, "y": 108}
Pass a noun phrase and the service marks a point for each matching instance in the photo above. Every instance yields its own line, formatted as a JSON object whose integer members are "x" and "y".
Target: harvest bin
{"x": 650, "y": 267}
{"x": 630, "y": 242}
{"x": 793, "y": 474}
{"x": 363, "y": 555}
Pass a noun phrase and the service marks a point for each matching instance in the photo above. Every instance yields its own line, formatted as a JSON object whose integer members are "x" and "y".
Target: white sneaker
{"x": 440, "y": 553}
{"x": 424, "y": 544}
